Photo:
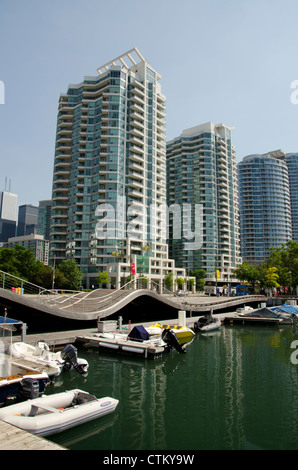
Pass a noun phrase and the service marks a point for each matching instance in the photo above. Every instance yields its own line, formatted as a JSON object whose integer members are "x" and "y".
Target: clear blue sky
{"x": 226, "y": 61}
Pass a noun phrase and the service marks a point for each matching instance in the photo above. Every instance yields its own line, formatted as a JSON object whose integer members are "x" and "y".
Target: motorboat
{"x": 20, "y": 382}
{"x": 244, "y": 310}
{"x": 60, "y": 361}
{"x": 207, "y": 323}
{"x": 287, "y": 311}
{"x": 51, "y": 414}
{"x": 183, "y": 334}
{"x": 142, "y": 339}
{"x": 280, "y": 316}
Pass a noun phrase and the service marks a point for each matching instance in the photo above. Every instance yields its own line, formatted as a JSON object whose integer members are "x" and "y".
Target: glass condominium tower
{"x": 292, "y": 164}
{"x": 265, "y": 206}
{"x": 202, "y": 179}
{"x": 109, "y": 178}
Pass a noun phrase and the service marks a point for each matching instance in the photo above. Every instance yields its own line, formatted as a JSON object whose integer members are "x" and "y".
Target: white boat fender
{"x": 108, "y": 345}
{"x": 133, "y": 350}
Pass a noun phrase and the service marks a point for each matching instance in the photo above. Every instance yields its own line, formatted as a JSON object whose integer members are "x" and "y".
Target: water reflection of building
{"x": 141, "y": 386}
{"x": 259, "y": 389}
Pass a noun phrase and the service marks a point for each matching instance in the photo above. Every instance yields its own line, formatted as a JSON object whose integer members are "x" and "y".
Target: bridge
{"x": 102, "y": 303}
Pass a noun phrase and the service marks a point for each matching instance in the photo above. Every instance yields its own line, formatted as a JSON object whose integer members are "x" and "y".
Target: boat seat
{"x": 83, "y": 398}
{"x": 35, "y": 408}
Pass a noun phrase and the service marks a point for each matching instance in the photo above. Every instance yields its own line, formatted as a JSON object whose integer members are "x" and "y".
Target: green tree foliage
{"x": 271, "y": 277}
{"x": 282, "y": 265}
{"x": 200, "y": 275}
{"x": 247, "y": 273}
{"x": 168, "y": 280}
{"x": 21, "y": 263}
{"x": 180, "y": 282}
{"x": 44, "y": 277}
{"x": 103, "y": 278}
{"x": 72, "y": 273}
{"x": 285, "y": 259}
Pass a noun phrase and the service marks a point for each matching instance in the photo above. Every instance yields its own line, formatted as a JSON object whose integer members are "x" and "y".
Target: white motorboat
{"x": 244, "y": 310}
{"x": 158, "y": 336}
{"x": 136, "y": 341}
{"x": 40, "y": 354}
{"x": 51, "y": 414}
{"x": 207, "y": 323}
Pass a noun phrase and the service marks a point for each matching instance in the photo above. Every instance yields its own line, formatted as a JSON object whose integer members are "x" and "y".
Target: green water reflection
{"x": 235, "y": 389}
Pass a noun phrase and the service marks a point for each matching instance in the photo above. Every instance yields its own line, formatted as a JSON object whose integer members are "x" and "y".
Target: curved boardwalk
{"x": 103, "y": 303}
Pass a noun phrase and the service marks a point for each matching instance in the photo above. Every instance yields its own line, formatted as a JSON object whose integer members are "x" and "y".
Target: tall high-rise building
{"x": 27, "y": 220}
{"x": 109, "y": 181}
{"x": 8, "y": 215}
{"x": 292, "y": 164}
{"x": 265, "y": 205}
{"x": 44, "y": 218}
{"x": 202, "y": 175}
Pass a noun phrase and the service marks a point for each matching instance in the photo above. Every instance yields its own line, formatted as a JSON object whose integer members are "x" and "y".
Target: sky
{"x": 225, "y": 61}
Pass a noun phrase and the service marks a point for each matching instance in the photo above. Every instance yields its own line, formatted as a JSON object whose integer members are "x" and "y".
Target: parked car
{"x": 182, "y": 292}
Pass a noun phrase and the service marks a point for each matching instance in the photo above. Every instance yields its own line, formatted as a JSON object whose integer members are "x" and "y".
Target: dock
{"x": 243, "y": 320}
{"x": 13, "y": 438}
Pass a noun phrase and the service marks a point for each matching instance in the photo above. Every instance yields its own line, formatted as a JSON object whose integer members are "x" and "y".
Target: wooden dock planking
{"x": 13, "y": 438}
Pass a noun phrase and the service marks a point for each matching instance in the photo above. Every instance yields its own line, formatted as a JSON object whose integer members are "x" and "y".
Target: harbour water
{"x": 234, "y": 389}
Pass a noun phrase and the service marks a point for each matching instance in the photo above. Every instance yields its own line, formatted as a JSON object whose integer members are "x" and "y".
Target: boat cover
{"x": 263, "y": 313}
{"x": 138, "y": 333}
{"x": 285, "y": 308}
{"x": 9, "y": 320}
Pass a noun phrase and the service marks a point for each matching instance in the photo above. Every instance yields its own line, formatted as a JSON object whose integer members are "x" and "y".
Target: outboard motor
{"x": 170, "y": 338}
{"x": 70, "y": 358}
{"x": 29, "y": 388}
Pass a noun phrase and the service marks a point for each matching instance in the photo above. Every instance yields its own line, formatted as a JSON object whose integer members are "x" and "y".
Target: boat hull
{"x": 211, "y": 327}
{"x": 41, "y": 354}
{"x": 22, "y": 385}
{"x": 54, "y": 413}
{"x": 183, "y": 334}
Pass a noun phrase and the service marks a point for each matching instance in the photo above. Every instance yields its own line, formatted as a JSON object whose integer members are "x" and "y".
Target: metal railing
{"x": 76, "y": 301}
{"x": 13, "y": 283}
{"x": 93, "y": 301}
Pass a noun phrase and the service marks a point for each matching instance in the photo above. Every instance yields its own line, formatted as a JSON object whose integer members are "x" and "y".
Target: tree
{"x": 44, "y": 277}
{"x": 247, "y": 272}
{"x": 271, "y": 278}
{"x": 180, "y": 282}
{"x": 19, "y": 262}
{"x": 144, "y": 280}
{"x": 103, "y": 278}
{"x": 200, "y": 275}
{"x": 61, "y": 281}
{"x": 26, "y": 262}
{"x": 285, "y": 259}
{"x": 70, "y": 269}
{"x": 8, "y": 262}
{"x": 168, "y": 280}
